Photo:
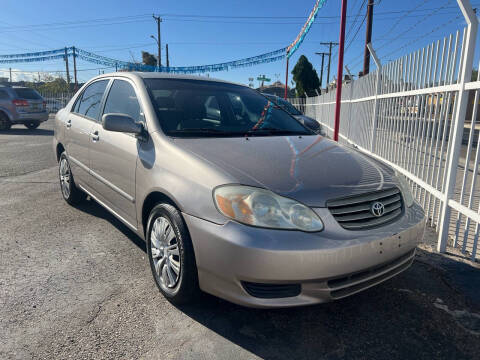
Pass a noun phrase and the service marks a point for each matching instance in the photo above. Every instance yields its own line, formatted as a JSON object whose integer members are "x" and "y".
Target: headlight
{"x": 263, "y": 208}
{"x": 405, "y": 188}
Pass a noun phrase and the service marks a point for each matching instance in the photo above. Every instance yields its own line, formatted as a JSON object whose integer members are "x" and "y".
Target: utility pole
{"x": 75, "y": 69}
{"x": 158, "y": 19}
{"x": 168, "y": 61}
{"x": 368, "y": 38}
{"x": 321, "y": 69}
{"x": 329, "y": 44}
{"x": 10, "y": 75}
{"x": 66, "y": 67}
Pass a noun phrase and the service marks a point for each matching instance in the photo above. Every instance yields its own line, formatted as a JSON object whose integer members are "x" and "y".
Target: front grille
{"x": 352, "y": 283}
{"x": 354, "y": 212}
{"x": 271, "y": 291}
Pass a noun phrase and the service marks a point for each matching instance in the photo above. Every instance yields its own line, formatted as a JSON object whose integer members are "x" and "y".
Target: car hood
{"x": 309, "y": 169}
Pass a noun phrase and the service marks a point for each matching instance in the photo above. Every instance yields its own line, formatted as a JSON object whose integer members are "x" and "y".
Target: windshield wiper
{"x": 274, "y": 131}
{"x": 196, "y": 131}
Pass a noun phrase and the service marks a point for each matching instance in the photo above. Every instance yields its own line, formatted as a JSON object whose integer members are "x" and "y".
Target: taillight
{"x": 18, "y": 102}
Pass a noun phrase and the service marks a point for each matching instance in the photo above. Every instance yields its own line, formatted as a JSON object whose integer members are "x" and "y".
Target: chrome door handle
{"x": 95, "y": 136}
{"x": 68, "y": 124}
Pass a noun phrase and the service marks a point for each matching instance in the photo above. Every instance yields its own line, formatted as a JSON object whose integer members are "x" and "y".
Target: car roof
{"x": 157, "y": 75}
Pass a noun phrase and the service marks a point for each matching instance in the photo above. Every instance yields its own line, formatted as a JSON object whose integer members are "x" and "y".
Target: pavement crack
{"x": 100, "y": 306}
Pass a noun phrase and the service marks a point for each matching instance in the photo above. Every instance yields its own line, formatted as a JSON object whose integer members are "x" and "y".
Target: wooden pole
{"x": 75, "y": 69}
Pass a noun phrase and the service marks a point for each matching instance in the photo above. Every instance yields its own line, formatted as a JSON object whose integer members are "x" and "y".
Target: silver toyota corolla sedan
{"x": 232, "y": 194}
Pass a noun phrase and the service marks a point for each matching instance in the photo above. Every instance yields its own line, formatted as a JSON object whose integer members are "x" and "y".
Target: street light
{"x": 154, "y": 38}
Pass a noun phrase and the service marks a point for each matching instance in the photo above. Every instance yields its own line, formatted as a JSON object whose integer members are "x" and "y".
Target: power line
{"x": 76, "y": 22}
{"x": 405, "y": 16}
{"x": 120, "y": 20}
{"x": 356, "y": 19}
{"x": 422, "y": 37}
{"x": 356, "y": 33}
{"x": 298, "y": 17}
{"x": 358, "y": 29}
{"x": 417, "y": 23}
{"x": 56, "y": 71}
{"x": 415, "y": 40}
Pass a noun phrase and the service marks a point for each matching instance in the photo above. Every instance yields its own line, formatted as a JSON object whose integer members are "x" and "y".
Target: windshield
{"x": 195, "y": 108}
{"x": 288, "y": 107}
{"x": 26, "y": 93}
{"x": 284, "y": 104}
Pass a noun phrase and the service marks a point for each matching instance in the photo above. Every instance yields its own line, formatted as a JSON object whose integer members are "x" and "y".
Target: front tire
{"x": 71, "y": 194}
{"x": 5, "y": 124}
{"x": 32, "y": 125}
{"x": 171, "y": 256}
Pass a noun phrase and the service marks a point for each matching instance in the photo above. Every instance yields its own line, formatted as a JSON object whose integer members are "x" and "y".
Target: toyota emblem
{"x": 377, "y": 209}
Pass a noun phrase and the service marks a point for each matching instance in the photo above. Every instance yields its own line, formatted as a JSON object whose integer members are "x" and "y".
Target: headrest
{"x": 165, "y": 102}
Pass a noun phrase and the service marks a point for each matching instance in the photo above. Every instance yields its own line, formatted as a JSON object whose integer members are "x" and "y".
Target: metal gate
{"x": 419, "y": 115}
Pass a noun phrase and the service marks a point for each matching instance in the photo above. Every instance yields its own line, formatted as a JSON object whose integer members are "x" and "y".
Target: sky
{"x": 208, "y": 32}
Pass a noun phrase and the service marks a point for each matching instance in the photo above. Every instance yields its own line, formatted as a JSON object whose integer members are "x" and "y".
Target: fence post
{"x": 377, "y": 91}
{"x": 461, "y": 109}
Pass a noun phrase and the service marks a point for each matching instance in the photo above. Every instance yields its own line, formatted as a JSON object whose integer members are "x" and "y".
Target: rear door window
{"x": 92, "y": 97}
{"x": 28, "y": 94}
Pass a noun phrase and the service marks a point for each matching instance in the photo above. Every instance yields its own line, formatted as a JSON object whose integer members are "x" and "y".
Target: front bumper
{"x": 22, "y": 118}
{"x": 327, "y": 265}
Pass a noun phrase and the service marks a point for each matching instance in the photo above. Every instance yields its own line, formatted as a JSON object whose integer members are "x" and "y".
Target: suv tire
{"x": 171, "y": 256}
{"x": 32, "y": 125}
{"x": 5, "y": 124}
{"x": 71, "y": 194}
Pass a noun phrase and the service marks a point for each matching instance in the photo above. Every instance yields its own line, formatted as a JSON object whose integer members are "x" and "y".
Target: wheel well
{"x": 150, "y": 202}
{"x": 4, "y": 114}
{"x": 60, "y": 150}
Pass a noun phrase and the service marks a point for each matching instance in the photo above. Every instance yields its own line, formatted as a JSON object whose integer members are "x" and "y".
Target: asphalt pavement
{"x": 75, "y": 283}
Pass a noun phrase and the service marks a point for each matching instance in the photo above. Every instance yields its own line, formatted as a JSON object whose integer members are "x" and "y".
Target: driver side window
{"x": 123, "y": 99}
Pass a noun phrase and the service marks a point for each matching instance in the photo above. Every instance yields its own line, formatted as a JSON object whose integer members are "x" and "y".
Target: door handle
{"x": 68, "y": 124}
{"x": 95, "y": 136}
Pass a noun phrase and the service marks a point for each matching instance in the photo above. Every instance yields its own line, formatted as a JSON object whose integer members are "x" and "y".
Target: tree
{"x": 148, "y": 59}
{"x": 59, "y": 85}
{"x": 305, "y": 77}
{"x": 50, "y": 85}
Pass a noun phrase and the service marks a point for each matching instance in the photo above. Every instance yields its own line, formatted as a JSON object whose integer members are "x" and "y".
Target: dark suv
{"x": 21, "y": 105}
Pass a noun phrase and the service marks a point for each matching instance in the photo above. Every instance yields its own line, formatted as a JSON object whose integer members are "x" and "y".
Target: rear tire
{"x": 32, "y": 125}
{"x": 171, "y": 256}
{"x": 71, "y": 194}
{"x": 5, "y": 124}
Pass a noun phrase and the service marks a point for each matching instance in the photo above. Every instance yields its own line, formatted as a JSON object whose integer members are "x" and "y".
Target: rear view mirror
{"x": 121, "y": 123}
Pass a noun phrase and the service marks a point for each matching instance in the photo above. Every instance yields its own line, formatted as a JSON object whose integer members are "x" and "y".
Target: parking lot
{"x": 76, "y": 284}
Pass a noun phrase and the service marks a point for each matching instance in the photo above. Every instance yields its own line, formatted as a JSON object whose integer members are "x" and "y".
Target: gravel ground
{"x": 75, "y": 283}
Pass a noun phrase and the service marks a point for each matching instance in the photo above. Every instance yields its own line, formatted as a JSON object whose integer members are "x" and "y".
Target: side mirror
{"x": 121, "y": 123}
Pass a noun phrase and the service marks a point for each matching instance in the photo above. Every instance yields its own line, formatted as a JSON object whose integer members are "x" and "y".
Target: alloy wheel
{"x": 165, "y": 253}
{"x": 65, "y": 177}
